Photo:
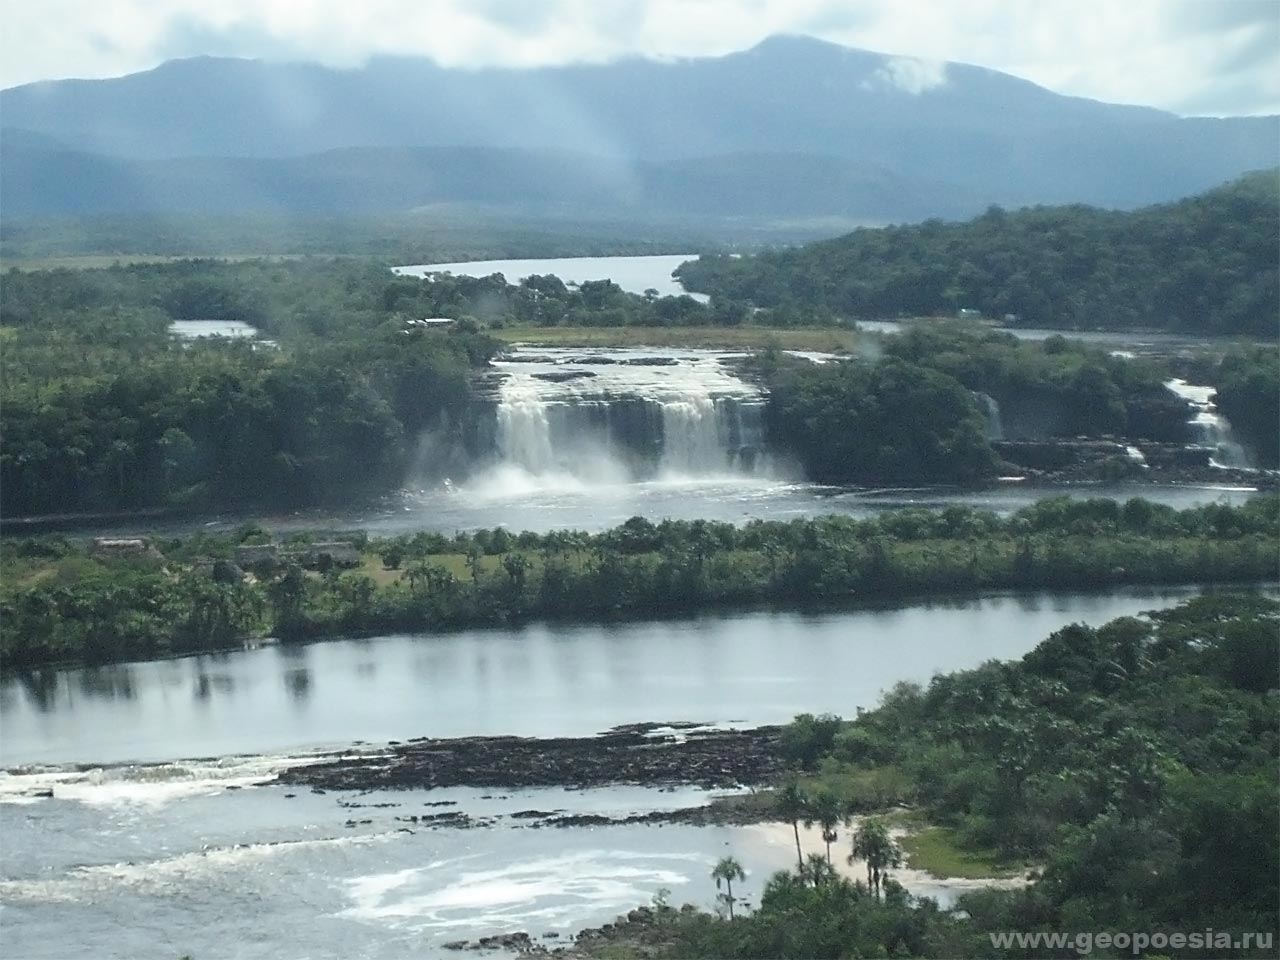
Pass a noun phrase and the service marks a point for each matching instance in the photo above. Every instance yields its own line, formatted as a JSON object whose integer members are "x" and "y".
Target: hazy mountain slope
{"x": 39, "y": 179}
{"x": 993, "y": 137}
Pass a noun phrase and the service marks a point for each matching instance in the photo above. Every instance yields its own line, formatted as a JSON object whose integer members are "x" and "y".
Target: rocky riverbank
{"x": 639, "y": 754}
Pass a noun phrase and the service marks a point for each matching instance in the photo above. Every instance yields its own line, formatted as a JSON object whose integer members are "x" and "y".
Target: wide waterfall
{"x": 1210, "y": 428}
{"x": 626, "y": 415}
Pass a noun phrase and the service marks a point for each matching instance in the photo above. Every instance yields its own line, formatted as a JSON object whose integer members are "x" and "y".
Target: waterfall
{"x": 1209, "y": 428}
{"x": 524, "y": 430}
{"x": 601, "y": 420}
{"x": 991, "y": 408}
{"x": 693, "y": 440}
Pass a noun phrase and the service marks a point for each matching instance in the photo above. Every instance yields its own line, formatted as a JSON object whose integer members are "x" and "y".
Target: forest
{"x": 1205, "y": 265}
{"x": 62, "y": 600}
{"x": 1131, "y": 765}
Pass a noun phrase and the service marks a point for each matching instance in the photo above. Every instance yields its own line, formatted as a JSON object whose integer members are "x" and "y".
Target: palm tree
{"x": 790, "y": 805}
{"x": 827, "y": 812}
{"x": 872, "y": 844}
{"x": 728, "y": 870}
{"x": 816, "y": 870}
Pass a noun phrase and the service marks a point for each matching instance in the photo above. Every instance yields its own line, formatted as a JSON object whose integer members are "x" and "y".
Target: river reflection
{"x": 537, "y": 680}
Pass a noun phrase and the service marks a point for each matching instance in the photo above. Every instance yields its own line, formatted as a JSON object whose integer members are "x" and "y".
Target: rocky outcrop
{"x": 646, "y": 754}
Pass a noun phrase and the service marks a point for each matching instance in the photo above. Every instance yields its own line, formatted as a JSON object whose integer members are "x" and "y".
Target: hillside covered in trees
{"x": 1204, "y": 265}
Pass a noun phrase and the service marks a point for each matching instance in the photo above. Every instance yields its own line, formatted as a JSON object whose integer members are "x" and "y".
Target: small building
{"x": 968, "y": 313}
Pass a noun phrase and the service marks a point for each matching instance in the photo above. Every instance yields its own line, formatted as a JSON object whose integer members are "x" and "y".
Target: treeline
{"x": 1134, "y": 761}
{"x": 915, "y": 413}
{"x": 60, "y": 603}
{"x": 1204, "y": 265}
{"x": 103, "y": 410}
{"x": 1247, "y": 383}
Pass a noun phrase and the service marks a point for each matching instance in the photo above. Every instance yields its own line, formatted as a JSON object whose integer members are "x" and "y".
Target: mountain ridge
{"x": 851, "y": 114}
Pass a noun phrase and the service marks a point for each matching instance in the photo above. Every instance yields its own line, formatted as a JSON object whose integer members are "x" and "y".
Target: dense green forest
{"x": 1247, "y": 382}
{"x": 1134, "y": 763}
{"x": 61, "y": 601}
{"x": 1204, "y": 265}
{"x": 913, "y": 414}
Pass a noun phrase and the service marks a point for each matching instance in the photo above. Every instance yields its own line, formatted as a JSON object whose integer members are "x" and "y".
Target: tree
{"x": 727, "y": 870}
{"x": 873, "y": 845}
{"x": 790, "y": 806}
{"x": 826, "y": 810}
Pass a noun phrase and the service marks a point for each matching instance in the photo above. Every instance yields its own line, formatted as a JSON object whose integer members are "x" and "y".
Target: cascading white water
{"x": 524, "y": 431}
{"x": 991, "y": 409}
{"x": 1209, "y": 427}
{"x": 575, "y": 417}
{"x": 694, "y": 440}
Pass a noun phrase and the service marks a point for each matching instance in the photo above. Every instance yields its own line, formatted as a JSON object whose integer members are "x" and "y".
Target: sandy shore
{"x": 772, "y": 841}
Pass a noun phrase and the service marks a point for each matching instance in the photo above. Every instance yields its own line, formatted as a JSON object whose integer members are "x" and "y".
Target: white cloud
{"x": 1205, "y": 56}
{"x": 910, "y": 75}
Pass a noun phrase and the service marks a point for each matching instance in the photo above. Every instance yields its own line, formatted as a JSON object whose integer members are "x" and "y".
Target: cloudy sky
{"x": 1217, "y": 57}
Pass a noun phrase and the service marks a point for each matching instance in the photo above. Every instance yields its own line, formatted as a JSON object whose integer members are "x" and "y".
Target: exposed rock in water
{"x": 634, "y": 755}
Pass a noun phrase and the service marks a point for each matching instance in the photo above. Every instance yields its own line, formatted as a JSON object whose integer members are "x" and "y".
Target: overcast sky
{"x": 1218, "y": 57}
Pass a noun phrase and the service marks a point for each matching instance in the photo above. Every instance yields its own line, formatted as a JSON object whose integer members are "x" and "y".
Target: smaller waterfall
{"x": 524, "y": 430}
{"x": 990, "y": 407}
{"x": 693, "y": 441}
{"x": 1209, "y": 428}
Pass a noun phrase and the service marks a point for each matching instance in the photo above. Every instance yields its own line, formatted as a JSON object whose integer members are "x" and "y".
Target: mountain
{"x": 40, "y": 178}
{"x": 817, "y": 127}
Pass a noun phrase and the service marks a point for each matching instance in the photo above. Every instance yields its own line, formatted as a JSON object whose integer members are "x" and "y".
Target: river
{"x": 184, "y": 856}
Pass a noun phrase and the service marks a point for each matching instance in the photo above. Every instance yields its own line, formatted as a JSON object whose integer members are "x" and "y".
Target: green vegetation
{"x": 941, "y": 852}
{"x": 1050, "y": 388}
{"x": 1205, "y": 265}
{"x": 872, "y": 423}
{"x": 1135, "y": 761}
{"x": 1248, "y": 394}
{"x": 60, "y": 601}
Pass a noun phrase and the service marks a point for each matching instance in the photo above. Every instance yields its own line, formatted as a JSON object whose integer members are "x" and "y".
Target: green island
{"x": 67, "y": 600}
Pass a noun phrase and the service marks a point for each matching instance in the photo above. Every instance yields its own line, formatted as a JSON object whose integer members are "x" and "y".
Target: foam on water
{"x": 149, "y": 784}
{"x": 462, "y": 894}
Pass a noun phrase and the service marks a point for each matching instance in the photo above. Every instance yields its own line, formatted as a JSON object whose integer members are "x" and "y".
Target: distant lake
{"x": 633, "y": 274}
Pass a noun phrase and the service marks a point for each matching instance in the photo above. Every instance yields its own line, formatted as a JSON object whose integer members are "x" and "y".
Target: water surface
{"x": 538, "y": 680}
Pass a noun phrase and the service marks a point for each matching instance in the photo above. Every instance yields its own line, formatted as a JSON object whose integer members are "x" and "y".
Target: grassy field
{"x": 823, "y": 339}
{"x": 936, "y": 851}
